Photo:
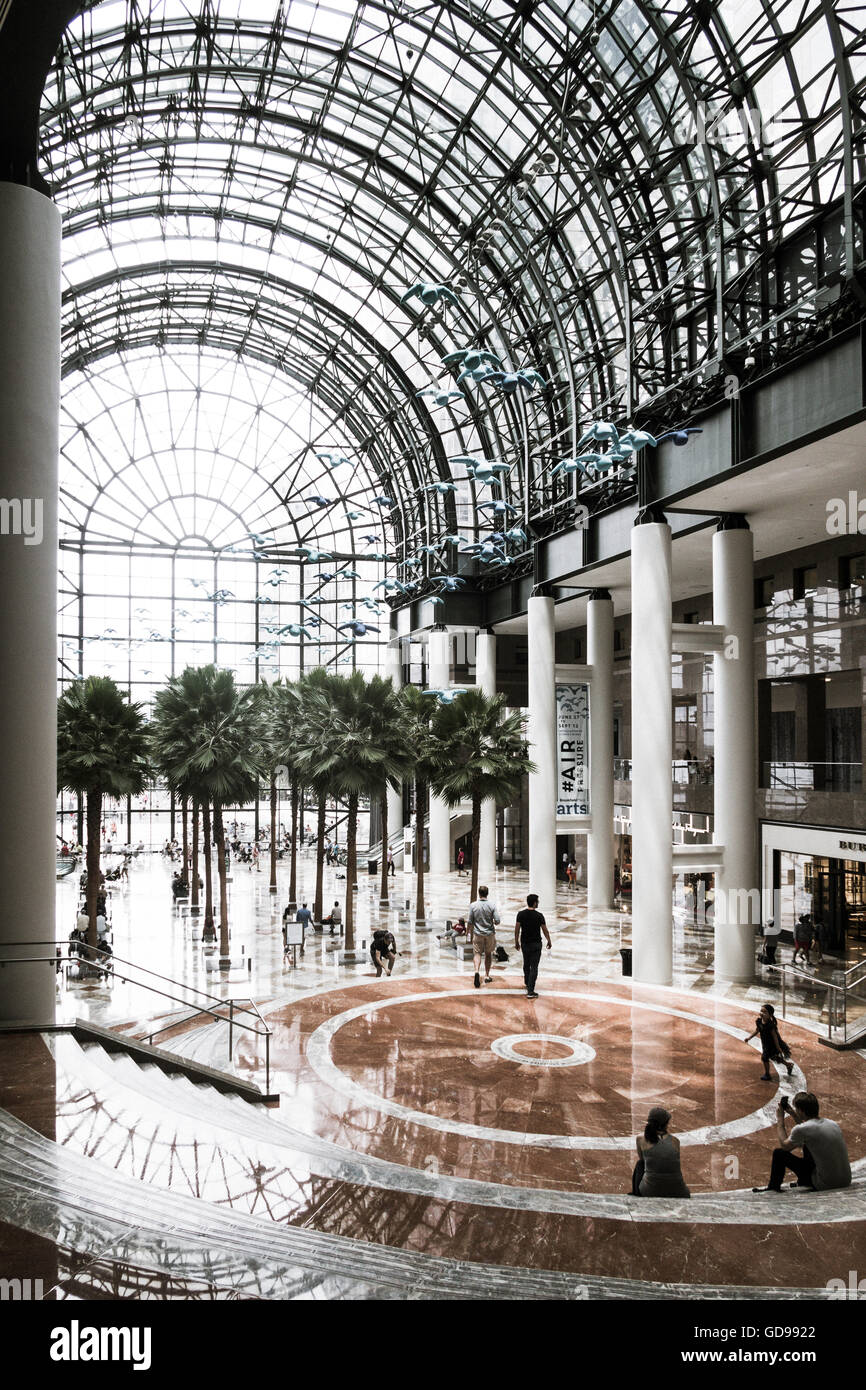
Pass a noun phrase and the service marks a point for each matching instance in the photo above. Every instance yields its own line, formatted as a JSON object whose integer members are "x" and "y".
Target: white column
{"x": 29, "y": 424}
{"x": 737, "y": 909}
{"x": 600, "y": 657}
{"x": 439, "y": 677}
{"x": 485, "y": 679}
{"x": 394, "y": 670}
{"x": 652, "y": 736}
{"x": 541, "y": 734}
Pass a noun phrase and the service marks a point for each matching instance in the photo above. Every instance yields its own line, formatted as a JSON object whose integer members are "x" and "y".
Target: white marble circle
{"x": 507, "y": 1048}
{"x": 320, "y": 1059}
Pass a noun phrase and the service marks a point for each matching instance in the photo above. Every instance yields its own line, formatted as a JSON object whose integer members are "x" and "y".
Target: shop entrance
{"x": 832, "y": 890}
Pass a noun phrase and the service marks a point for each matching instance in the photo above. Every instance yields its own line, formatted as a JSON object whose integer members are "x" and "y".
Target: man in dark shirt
{"x": 527, "y": 937}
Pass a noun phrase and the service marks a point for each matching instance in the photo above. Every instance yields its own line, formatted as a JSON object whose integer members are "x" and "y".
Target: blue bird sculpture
{"x": 431, "y": 294}
{"x": 442, "y": 488}
{"x": 681, "y": 437}
{"x": 528, "y": 379}
{"x": 441, "y": 397}
{"x": 469, "y": 358}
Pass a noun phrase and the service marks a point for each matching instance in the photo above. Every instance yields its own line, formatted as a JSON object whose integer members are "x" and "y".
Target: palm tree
{"x": 283, "y": 717}
{"x": 419, "y": 707}
{"x": 344, "y": 751}
{"x": 310, "y": 688}
{"x": 172, "y": 734}
{"x": 225, "y": 764}
{"x": 101, "y": 750}
{"x": 269, "y": 704}
{"x": 393, "y": 737}
{"x": 480, "y": 756}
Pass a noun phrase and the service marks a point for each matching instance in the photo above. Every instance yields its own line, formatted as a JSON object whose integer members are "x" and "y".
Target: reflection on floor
{"x": 432, "y": 1139}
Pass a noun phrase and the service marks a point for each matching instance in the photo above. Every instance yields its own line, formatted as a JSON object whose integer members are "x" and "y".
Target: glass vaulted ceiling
{"x": 601, "y": 184}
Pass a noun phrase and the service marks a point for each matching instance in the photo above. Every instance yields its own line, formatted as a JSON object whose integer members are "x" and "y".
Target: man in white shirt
{"x": 481, "y": 922}
{"x": 772, "y": 932}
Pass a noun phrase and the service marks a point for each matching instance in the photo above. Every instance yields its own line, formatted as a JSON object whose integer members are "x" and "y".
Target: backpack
{"x": 501, "y": 953}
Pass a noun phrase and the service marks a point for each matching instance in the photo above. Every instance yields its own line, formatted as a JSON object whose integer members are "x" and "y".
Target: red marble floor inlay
{"x": 541, "y": 1047}
{"x": 434, "y": 1056}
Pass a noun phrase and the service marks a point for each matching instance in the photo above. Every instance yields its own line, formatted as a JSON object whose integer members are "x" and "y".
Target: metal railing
{"x": 845, "y": 1022}
{"x": 811, "y": 776}
{"x": 685, "y": 772}
{"x": 88, "y": 956}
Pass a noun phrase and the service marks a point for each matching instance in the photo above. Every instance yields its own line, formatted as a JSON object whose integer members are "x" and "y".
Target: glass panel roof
{"x": 250, "y": 188}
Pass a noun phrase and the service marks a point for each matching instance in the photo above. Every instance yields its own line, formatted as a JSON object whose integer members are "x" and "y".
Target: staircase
{"x": 144, "y": 1056}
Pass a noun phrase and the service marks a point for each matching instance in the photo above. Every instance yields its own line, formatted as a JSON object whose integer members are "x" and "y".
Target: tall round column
{"x": 600, "y": 657}
{"x": 652, "y": 738}
{"x": 29, "y": 426}
{"x": 485, "y": 679}
{"x": 394, "y": 671}
{"x": 439, "y": 678}
{"x": 737, "y": 906}
{"x": 541, "y": 734}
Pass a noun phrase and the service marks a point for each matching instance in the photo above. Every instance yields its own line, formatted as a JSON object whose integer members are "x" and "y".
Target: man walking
{"x": 527, "y": 938}
{"x": 305, "y": 917}
{"x": 481, "y": 922}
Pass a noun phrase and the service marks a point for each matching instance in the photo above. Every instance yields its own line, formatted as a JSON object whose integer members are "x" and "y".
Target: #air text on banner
{"x": 572, "y": 750}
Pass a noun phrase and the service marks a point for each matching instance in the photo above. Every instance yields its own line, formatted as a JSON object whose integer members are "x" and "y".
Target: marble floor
{"x": 430, "y": 1136}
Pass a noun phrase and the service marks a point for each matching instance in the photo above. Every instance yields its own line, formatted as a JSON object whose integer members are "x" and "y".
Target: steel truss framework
{"x": 624, "y": 196}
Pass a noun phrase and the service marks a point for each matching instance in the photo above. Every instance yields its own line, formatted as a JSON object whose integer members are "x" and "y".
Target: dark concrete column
{"x": 29, "y": 415}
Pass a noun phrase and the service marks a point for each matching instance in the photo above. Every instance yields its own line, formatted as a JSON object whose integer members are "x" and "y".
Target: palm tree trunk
{"x": 420, "y": 802}
{"x": 351, "y": 871}
{"x": 383, "y": 816}
{"x": 94, "y": 821}
{"x": 293, "y": 870}
{"x": 476, "y": 845}
{"x": 185, "y": 822}
{"x": 220, "y": 837}
{"x": 273, "y": 883}
{"x": 208, "y": 932}
{"x": 193, "y": 901}
{"x": 320, "y": 859}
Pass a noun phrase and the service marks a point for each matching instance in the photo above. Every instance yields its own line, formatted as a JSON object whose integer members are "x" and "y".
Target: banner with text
{"x": 572, "y": 750}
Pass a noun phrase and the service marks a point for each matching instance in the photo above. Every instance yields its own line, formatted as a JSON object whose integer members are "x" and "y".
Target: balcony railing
{"x": 812, "y": 777}
{"x": 685, "y": 772}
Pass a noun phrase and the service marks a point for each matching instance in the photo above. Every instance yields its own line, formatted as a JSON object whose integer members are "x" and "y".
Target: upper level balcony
{"x": 812, "y": 776}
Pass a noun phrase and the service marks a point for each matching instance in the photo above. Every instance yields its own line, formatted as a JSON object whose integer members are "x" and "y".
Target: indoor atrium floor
{"x": 430, "y": 1136}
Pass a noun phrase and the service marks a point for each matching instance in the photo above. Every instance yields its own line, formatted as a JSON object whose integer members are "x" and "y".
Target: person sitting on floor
{"x": 658, "y": 1172}
{"x": 824, "y": 1163}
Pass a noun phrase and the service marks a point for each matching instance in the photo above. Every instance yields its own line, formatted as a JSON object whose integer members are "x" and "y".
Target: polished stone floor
{"x": 431, "y": 1138}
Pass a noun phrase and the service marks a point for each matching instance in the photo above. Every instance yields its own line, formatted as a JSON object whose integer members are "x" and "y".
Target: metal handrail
{"x": 167, "y": 979}
{"x": 837, "y": 995}
{"x": 107, "y": 969}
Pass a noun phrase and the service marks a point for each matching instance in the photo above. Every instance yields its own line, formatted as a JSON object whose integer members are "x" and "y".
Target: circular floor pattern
{"x": 514, "y": 1048}
{"x": 319, "y": 1056}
